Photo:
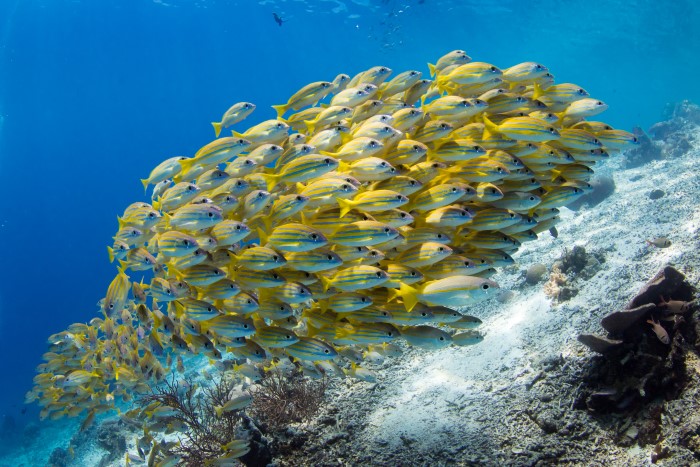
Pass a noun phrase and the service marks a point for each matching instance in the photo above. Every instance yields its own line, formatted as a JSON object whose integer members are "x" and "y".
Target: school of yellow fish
{"x": 368, "y": 214}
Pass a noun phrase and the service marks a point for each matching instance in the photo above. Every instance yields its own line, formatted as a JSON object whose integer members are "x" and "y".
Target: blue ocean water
{"x": 94, "y": 94}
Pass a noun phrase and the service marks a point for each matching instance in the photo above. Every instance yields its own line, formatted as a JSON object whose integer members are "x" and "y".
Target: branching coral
{"x": 207, "y": 435}
{"x": 280, "y": 400}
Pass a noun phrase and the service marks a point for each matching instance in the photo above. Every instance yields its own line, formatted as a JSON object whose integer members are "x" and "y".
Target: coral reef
{"x": 602, "y": 187}
{"x": 643, "y": 365}
{"x": 670, "y": 138}
{"x": 574, "y": 265}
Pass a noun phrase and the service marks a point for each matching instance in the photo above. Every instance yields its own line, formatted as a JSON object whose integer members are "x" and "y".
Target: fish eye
{"x": 275, "y": 258}
{"x": 373, "y": 144}
{"x": 412, "y": 183}
{"x": 551, "y": 129}
{"x": 581, "y": 92}
{"x": 454, "y": 189}
{"x": 210, "y": 214}
{"x": 635, "y": 140}
{"x": 190, "y": 187}
{"x": 442, "y": 338}
{"x": 329, "y": 257}
{"x": 444, "y": 126}
{"x": 379, "y": 274}
{"x": 413, "y": 274}
{"x": 493, "y": 68}
{"x": 435, "y": 165}
{"x": 241, "y": 141}
{"x": 387, "y": 230}
{"x": 327, "y": 160}
{"x": 326, "y": 351}
{"x": 599, "y": 103}
{"x": 441, "y": 249}
{"x": 313, "y": 236}
{"x": 477, "y": 148}
{"x": 416, "y": 147}
{"x": 238, "y": 227}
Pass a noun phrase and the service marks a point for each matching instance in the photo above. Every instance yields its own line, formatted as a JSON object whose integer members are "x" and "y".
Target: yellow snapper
{"x": 219, "y": 150}
{"x": 235, "y": 114}
{"x": 309, "y": 94}
{"x": 455, "y": 291}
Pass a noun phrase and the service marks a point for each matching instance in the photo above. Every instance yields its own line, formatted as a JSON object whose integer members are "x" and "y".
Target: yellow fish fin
{"x": 145, "y": 182}
{"x": 490, "y": 128}
{"x": 326, "y": 282}
{"x": 409, "y": 295}
{"x": 217, "y": 128}
{"x": 187, "y": 164}
{"x": 110, "y": 251}
{"x": 237, "y": 134}
{"x": 271, "y": 180}
{"x": 280, "y": 109}
{"x": 432, "y": 69}
{"x": 345, "y": 206}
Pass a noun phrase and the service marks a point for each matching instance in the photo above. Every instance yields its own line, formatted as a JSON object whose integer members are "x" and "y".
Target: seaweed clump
{"x": 204, "y": 434}
{"x": 281, "y": 400}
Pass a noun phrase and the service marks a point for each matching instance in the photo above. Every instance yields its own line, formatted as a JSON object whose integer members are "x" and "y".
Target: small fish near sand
{"x": 659, "y": 242}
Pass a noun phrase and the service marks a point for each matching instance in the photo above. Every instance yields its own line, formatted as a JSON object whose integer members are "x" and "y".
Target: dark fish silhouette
{"x": 278, "y": 19}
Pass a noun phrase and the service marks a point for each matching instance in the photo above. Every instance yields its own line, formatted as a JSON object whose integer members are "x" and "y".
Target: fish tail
{"x": 326, "y": 282}
{"x": 310, "y": 126}
{"x": 281, "y": 109}
{"x": 271, "y": 180}
{"x": 219, "y": 411}
{"x": 345, "y": 206}
{"x": 537, "y": 93}
{"x": 409, "y": 295}
{"x": 262, "y": 236}
{"x": 490, "y": 128}
{"x": 187, "y": 164}
{"x": 145, "y": 182}
{"x": 217, "y": 128}
{"x": 110, "y": 251}
{"x": 433, "y": 69}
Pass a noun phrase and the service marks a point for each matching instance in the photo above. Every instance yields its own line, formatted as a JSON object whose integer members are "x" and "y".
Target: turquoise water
{"x": 94, "y": 94}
